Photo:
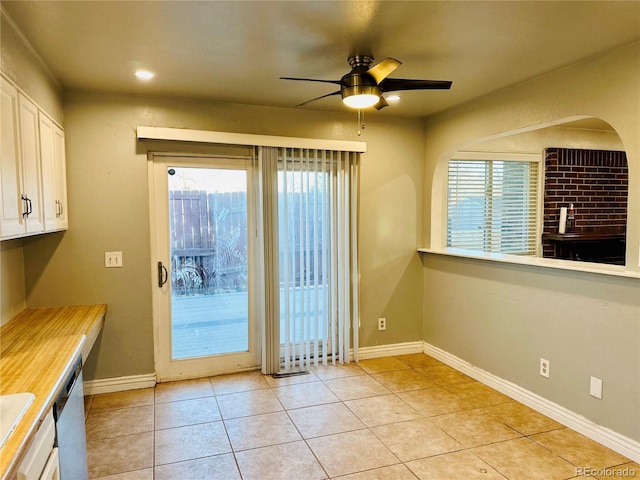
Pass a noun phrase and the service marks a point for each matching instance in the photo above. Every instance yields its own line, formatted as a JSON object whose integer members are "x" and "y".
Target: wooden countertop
{"x": 37, "y": 350}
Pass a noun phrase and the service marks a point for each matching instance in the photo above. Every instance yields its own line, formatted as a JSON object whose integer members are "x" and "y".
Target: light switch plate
{"x": 113, "y": 259}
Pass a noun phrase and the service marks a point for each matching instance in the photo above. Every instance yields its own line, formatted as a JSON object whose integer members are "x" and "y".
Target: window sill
{"x": 598, "y": 268}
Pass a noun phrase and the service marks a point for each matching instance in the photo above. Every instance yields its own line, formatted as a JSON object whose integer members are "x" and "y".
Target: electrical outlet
{"x": 113, "y": 259}
{"x": 382, "y": 324}
{"x": 545, "y": 366}
{"x": 595, "y": 389}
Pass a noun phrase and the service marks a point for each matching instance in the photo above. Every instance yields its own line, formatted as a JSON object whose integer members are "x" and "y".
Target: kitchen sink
{"x": 12, "y": 409}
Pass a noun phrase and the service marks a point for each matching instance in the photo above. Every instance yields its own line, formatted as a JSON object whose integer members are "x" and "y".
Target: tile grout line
{"x": 235, "y": 458}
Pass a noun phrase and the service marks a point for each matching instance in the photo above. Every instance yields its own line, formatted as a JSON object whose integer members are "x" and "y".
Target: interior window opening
{"x": 569, "y": 204}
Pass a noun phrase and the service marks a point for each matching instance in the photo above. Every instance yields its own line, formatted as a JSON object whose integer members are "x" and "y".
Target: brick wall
{"x": 595, "y": 181}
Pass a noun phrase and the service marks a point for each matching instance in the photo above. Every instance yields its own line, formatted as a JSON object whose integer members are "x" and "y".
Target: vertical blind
{"x": 314, "y": 310}
{"x": 492, "y": 205}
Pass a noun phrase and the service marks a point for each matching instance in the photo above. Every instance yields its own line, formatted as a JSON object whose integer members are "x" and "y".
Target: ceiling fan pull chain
{"x": 360, "y": 121}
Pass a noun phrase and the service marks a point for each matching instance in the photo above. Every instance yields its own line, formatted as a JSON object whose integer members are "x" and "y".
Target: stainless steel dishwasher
{"x": 68, "y": 412}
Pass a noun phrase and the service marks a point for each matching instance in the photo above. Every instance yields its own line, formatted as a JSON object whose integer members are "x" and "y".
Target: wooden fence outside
{"x": 209, "y": 252}
{"x": 208, "y": 242}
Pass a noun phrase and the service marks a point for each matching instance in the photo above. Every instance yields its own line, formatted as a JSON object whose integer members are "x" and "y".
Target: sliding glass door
{"x": 204, "y": 216}
{"x": 234, "y": 260}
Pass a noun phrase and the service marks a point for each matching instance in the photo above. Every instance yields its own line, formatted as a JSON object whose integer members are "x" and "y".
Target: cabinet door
{"x": 54, "y": 182}
{"x": 41, "y": 456}
{"x": 47, "y": 160}
{"x": 52, "y": 468}
{"x": 60, "y": 163}
{"x": 11, "y": 205}
{"x": 32, "y": 176}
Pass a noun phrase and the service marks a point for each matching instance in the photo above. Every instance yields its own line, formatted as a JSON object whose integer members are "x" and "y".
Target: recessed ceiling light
{"x": 393, "y": 98}
{"x": 144, "y": 74}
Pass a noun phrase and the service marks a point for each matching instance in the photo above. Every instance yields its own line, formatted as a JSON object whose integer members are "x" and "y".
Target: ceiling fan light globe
{"x": 361, "y": 96}
{"x": 361, "y": 101}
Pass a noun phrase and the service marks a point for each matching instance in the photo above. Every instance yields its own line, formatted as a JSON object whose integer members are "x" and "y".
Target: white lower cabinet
{"x": 52, "y": 468}
{"x": 41, "y": 460}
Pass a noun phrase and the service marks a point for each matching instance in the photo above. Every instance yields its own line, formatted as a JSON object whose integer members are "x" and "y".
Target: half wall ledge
{"x": 597, "y": 268}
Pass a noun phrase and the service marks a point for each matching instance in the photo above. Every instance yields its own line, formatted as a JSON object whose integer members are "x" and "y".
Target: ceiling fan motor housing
{"x": 360, "y": 61}
{"x": 359, "y": 84}
{"x": 358, "y": 81}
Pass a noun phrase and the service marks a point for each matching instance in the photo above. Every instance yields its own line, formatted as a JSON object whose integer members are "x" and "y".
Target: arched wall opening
{"x": 583, "y": 164}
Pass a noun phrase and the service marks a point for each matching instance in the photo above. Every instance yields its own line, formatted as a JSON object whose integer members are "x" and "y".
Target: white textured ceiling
{"x": 234, "y": 51}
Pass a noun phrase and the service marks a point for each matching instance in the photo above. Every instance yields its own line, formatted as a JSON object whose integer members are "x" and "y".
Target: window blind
{"x": 492, "y": 205}
{"x": 314, "y": 206}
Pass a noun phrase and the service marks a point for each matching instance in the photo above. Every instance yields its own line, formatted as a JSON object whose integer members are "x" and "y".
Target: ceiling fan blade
{"x": 383, "y": 69}
{"x": 336, "y": 82}
{"x": 395, "y": 84}
{"x": 381, "y": 103}
{"x": 318, "y": 98}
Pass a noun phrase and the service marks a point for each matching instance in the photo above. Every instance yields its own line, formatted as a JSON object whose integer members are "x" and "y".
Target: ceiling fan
{"x": 364, "y": 85}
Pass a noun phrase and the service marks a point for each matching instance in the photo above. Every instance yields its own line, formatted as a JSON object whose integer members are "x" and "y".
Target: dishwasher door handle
{"x": 63, "y": 397}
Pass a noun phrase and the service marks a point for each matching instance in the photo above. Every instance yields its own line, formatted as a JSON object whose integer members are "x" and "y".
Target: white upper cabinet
{"x": 60, "y": 162}
{"x": 33, "y": 189}
{"x": 12, "y": 206}
{"x": 31, "y": 166}
{"x": 54, "y": 183}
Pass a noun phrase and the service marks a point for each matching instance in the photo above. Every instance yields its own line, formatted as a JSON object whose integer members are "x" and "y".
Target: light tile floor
{"x": 404, "y": 417}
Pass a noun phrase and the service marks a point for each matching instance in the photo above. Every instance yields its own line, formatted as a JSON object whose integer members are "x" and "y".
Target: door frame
{"x": 167, "y": 369}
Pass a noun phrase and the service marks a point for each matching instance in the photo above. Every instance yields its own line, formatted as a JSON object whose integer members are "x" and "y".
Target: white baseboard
{"x": 619, "y": 443}
{"x": 119, "y": 384}
{"x": 379, "y": 351}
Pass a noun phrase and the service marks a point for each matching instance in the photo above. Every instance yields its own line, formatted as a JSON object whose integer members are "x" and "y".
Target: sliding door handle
{"x": 163, "y": 274}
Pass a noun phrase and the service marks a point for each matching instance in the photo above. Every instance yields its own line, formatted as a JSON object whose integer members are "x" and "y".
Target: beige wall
{"x": 21, "y": 65}
{"x": 12, "y": 294}
{"x": 537, "y": 141}
{"x": 108, "y": 210}
{"x": 501, "y": 317}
